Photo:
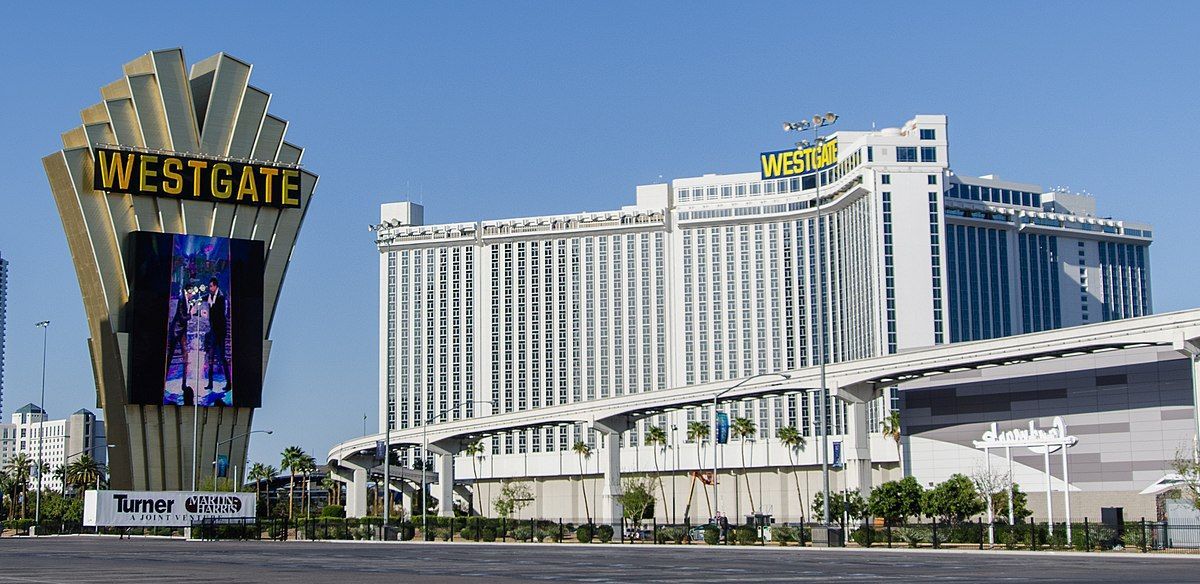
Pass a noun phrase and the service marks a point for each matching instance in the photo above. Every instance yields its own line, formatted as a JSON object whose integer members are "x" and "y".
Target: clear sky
{"x": 496, "y": 109}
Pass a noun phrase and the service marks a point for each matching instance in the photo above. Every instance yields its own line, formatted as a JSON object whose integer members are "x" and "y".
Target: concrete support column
{"x": 445, "y": 486}
{"x": 856, "y": 451}
{"x": 611, "y": 511}
{"x": 445, "y": 451}
{"x": 356, "y": 493}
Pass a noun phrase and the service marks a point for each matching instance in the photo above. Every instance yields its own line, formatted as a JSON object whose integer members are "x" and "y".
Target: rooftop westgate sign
{"x": 799, "y": 161}
{"x": 201, "y": 179}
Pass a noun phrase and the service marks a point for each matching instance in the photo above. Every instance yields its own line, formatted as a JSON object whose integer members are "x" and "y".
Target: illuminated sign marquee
{"x": 200, "y": 179}
{"x": 799, "y": 161}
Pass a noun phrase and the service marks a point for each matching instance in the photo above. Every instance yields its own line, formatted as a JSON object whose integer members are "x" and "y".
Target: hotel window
{"x": 932, "y": 179}
{"x": 885, "y": 179}
{"x": 928, "y": 154}
{"x": 928, "y": 134}
{"x": 906, "y": 154}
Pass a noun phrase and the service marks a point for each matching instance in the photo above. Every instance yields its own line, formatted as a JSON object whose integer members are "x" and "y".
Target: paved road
{"x": 80, "y": 560}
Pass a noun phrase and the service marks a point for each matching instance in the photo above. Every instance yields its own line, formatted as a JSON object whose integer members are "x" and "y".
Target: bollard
{"x": 503, "y": 529}
{"x": 560, "y": 531}
{"x": 935, "y": 542}
{"x": 888, "y": 530}
{"x": 654, "y": 530}
{"x": 980, "y": 523}
{"x": 1032, "y": 534}
{"x": 532, "y": 529}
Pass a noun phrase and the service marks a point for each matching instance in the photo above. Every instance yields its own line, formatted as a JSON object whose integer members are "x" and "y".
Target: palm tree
{"x": 308, "y": 465}
{"x": 257, "y": 473}
{"x": 744, "y": 429}
{"x": 890, "y": 426}
{"x": 8, "y": 490}
{"x": 292, "y": 458}
{"x": 20, "y": 467}
{"x": 656, "y": 437}
{"x": 82, "y": 473}
{"x": 475, "y": 451}
{"x": 269, "y": 474}
{"x": 793, "y": 440}
{"x": 60, "y": 473}
{"x": 335, "y": 491}
{"x": 584, "y": 451}
{"x": 698, "y": 433}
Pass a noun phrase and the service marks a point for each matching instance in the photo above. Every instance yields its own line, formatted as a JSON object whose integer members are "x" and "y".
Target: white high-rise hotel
{"x": 715, "y": 277}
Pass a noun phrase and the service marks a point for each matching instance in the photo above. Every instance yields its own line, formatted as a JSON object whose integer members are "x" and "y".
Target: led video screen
{"x": 195, "y": 319}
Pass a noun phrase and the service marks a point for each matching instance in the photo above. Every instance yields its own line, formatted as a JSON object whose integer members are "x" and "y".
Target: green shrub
{"x": 915, "y": 535}
{"x": 712, "y": 535}
{"x": 584, "y": 534}
{"x": 333, "y": 511}
{"x": 863, "y": 536}
{"x": 746, "y": 535}
{"x": 671, "y": 535}
{"x": 604, "y": 533}
{"x": 783, "y": 534}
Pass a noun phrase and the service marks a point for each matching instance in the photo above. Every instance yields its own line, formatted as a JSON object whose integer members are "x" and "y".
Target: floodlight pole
{"x": 424, "y": 449}
{"x": 45, "y": 326}
{"x": 217, "y": 449}
{"x": 816, "y": 124}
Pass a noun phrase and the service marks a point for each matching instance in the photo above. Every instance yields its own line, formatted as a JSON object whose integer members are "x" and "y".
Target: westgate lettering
{"x": 183, "y": 177}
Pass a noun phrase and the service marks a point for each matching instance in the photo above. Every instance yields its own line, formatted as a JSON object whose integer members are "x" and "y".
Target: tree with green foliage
{"x": 1021, "y": 510}
{"x": 744, "y": 429}
{"x": 698, "y": 432}
{"x": 1188, "y": 469}
{"x": 790, "y": 437}
{"x": 896, "y": 501}
{"x": 844, "y": 505}
{"x": 637, "y": 498}
{"x": 513, "y": 496}
{"x": 292, "y": 460}
{"x": 656, "y": 438}
{"x": 584, "y": 452}
{"x": 953, "y": 501}
{"x": 890, "y": 427}
{"x": 20, "y": 468}
{"x": 83, "y": 472}
{"x": 474, "y": 450}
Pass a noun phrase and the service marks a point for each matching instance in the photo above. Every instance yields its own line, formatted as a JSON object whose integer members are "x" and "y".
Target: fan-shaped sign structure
{"x": 181, "y": 201}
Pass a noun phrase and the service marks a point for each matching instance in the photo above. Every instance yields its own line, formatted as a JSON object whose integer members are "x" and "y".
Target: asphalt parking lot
{"x": 78, "y": 560}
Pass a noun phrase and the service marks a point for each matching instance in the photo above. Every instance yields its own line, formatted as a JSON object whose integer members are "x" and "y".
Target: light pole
{"x": 424, "y": 448}
{"x": 716, "y": 507}
{"x": 217, "y": 449}
{"x": 45, "y": 326}
{"x": 818, "y": 122}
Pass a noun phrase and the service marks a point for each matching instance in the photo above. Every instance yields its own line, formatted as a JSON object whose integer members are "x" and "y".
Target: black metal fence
{"x": 1087, "y": 535}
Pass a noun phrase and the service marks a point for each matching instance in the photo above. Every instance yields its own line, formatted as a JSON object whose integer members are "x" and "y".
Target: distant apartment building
{"x": 65, "y": 440}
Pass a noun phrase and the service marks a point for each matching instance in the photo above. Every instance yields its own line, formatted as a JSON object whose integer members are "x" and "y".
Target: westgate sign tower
{"x": 181, "y": 201}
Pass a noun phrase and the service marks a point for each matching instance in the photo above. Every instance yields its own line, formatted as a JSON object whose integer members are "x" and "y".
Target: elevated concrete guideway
{"x": 856, "y": 382}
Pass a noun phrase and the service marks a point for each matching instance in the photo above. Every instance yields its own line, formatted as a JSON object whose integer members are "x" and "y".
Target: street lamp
{"x": 424, "y": 448}
{"x": 818, "y": 122}
{"x": 714, "y": 424}
{"x": 45, "y": 326}
{"x": 217, "y": 449}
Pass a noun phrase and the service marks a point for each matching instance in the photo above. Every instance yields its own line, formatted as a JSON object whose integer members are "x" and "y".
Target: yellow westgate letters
{"x": 223, "y": 181}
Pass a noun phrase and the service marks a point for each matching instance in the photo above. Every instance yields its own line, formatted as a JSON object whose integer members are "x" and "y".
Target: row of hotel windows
{"x": 770, "y": 187}
{"x": 993, "y": 194}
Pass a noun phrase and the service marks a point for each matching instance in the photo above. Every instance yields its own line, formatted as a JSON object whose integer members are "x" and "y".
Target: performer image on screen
{"x": 177, "y": 330}
{"x": 217, "y": 326}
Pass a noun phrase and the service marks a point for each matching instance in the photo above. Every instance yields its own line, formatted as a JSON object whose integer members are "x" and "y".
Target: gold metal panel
{"x": 270, "y": 136}
{"x": 249, "y": 120}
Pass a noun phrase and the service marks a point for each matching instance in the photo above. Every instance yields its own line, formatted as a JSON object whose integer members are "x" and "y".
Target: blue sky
{"x": 492, "y": 109}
